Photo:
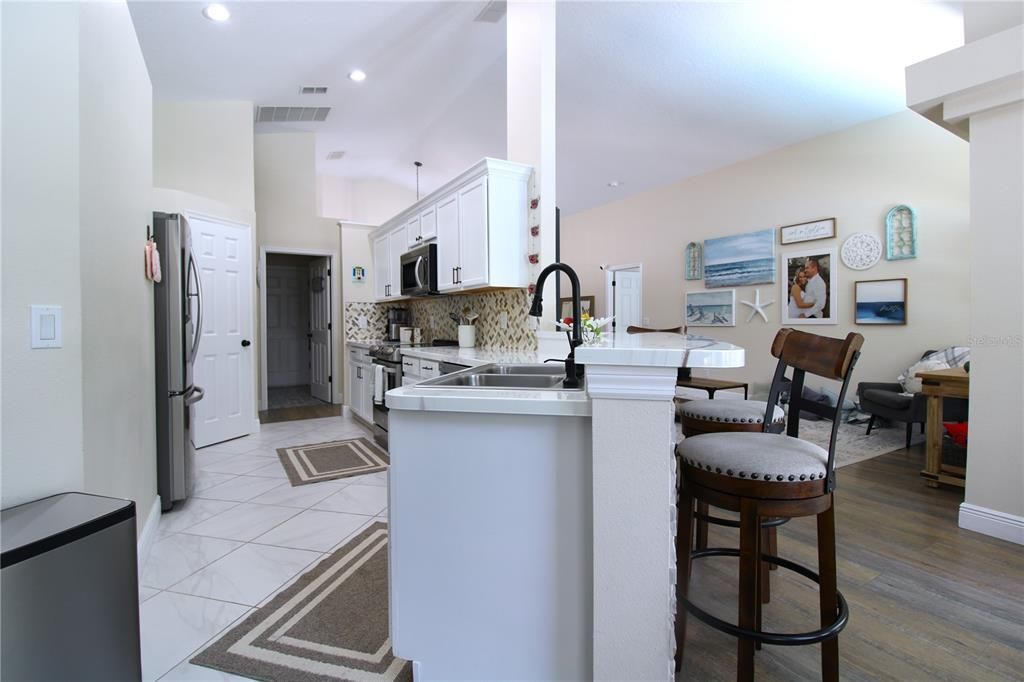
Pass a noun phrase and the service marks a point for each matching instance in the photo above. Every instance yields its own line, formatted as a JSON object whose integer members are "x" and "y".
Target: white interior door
{"x": 320, "y": 370}
{"x": 628, "y": 299}
{"x": 224, "y": 362}
{"x": 288, "y": 320}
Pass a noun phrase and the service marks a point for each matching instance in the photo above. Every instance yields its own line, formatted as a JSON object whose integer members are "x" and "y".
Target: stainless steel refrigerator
{"x": 179, "y": 321}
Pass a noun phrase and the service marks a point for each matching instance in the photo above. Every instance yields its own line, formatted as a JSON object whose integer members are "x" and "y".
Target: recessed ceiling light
{"x": 614, "y": 183}
{"x": 216, "y": 12}
{"x": 357, "y": 75}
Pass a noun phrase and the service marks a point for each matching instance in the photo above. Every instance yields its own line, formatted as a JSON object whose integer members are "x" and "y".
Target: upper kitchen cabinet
{"x": 423, "y": 227}
{"x": 479, "y": 222}
{"x": 388, "y": 247}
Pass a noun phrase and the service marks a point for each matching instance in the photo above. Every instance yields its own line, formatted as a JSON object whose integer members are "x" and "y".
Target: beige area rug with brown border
{"x": 337, "y": 459}
{"x": 331, "y": 624}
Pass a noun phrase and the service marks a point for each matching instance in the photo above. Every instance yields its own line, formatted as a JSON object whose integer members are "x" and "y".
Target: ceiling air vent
{"x": 492, "y": 13}
{"x": 334, "y": 156}
{"x": 290, "y": 114}
{"x": 313, "y": 90}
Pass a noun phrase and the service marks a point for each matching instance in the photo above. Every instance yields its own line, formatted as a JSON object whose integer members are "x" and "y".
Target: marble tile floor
{"x": 243, "y": 537}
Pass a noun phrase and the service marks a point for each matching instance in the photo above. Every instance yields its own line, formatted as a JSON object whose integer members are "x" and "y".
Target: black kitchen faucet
{"x": 572, "y": 380}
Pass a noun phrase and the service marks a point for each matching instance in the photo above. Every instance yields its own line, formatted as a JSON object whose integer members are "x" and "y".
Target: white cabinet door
{"x": 321, "y": 367}
{"x": 447, "y": 223}
{"x": 368, "y": 385}
{"x": 428, "y": 224}
{"x": 412, "y": 233}
{"x": 355, "y": 388}
{"x": 473, "y": 234}
{"x": 398, "y": 247}
{"x": 381, "y": 266}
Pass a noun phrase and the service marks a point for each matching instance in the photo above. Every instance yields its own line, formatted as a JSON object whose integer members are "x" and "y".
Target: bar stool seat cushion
{"x": 730, "y": 411}
{"x": 756, "y": 456}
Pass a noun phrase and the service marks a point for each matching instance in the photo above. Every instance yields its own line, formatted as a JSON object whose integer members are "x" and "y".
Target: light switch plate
{"x": 503, "y": 319}
{"x": 46, "y": 326}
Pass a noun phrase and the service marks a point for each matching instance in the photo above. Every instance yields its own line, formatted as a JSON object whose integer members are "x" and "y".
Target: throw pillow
{"x": 911, "y": 383}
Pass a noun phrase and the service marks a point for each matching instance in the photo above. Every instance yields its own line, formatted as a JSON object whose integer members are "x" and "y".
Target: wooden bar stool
{"x": 766, "y": 475}
{"x": 732, "y": 416}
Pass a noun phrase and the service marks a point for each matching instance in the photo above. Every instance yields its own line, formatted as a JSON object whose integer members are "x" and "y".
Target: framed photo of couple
{"x": 809, "y": 285}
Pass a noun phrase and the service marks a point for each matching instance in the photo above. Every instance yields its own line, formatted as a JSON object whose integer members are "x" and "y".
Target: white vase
{"x": 467, "y": 336}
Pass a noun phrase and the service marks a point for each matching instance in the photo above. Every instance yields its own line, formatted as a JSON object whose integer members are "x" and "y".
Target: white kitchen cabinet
{"x": 479, "y": 220}
{"x": 412, "y": 233}
{"x": 447, "y": 242}
{"x": 398, "y": 248}
{"x": 429, "y": 369}
{"x": 428, "y": 224}
{"x": 381, "y": 266}
{"x": 360, "y": 384}
{"x": 422, "y": 228}
{"x": 472, "y": 267}
{"x": 387, "y": 263}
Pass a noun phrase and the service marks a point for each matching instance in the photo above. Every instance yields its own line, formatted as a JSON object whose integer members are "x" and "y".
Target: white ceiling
{"x": 648, "y": 93}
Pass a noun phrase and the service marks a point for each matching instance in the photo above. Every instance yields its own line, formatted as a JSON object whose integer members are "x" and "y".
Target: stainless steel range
{"x": 388, "y": 357}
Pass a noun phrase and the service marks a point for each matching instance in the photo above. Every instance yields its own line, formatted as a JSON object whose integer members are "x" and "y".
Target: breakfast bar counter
{"x": 544, "y": 513}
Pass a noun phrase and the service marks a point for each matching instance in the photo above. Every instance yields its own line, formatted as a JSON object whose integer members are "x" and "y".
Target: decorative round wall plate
{"x": 861, "y": 251}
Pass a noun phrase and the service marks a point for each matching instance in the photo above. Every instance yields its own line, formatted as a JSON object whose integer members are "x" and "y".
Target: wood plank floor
{"x": 928, "y": 600}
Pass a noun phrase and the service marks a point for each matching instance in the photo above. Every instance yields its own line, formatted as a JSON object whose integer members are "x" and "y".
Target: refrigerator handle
{"x": 193, "y": 269}
{"x": 194, "y": 396}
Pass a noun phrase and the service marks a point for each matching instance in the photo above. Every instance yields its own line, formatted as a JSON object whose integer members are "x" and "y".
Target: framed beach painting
{"x": 880, "y": 301}
{"x": 809, "y": 285}
{"x": 740, "y": 259}
{"x": 711, "y": 308}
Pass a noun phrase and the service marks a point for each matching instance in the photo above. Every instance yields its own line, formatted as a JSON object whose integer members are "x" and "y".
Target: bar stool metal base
{"x": 775, "y": 638}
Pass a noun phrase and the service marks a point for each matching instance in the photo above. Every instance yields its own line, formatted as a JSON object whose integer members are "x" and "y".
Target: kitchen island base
{"x": 490, "y": 554}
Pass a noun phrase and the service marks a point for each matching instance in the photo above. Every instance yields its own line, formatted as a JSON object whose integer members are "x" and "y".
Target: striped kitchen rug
{"x": 326, "y": 461}
{"x": 331, "y": 624}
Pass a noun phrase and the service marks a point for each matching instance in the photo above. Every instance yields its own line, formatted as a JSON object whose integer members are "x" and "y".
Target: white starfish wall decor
{"x": 757, "y": 308}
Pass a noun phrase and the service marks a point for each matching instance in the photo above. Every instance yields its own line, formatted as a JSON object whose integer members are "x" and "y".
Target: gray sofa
{"x": 886, "y": 400}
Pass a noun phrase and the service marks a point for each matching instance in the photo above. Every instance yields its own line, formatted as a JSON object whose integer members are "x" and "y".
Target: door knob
{"x": 246, "y": 343}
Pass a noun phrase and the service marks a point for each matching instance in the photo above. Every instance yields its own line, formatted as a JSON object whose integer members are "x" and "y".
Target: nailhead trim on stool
{"x": 729, "y": 411}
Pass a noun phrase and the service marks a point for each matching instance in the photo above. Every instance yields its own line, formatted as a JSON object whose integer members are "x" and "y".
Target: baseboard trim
{"x": 994, "y": 523}
{"x": 148, "y": 535}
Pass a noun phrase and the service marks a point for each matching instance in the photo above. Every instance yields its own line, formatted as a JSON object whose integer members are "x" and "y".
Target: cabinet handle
{"x": 458, "y": 272}
{"x": 455, "y": 279}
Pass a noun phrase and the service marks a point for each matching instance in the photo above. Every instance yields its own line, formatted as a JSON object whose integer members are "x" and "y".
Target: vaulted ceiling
{"x": 647, "y": 93}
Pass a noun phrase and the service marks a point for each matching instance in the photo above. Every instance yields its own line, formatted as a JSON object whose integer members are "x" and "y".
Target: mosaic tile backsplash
{"x": 431, "y": 315}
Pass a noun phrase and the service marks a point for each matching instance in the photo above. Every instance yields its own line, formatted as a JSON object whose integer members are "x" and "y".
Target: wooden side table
{"x": 712, "y": 385}
{"x": 943, "y": 383}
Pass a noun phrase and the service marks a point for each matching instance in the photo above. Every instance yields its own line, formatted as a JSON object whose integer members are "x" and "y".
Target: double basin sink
{"x": 533, "y": 377}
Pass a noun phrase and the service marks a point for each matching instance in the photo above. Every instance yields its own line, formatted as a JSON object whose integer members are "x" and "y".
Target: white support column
{"x": 530, "y": 89}
{"x": 634, "y": 521}
{"x": 978, "y": 91}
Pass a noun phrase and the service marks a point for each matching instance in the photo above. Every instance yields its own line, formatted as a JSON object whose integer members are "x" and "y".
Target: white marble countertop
{"x": 661, "y": 350}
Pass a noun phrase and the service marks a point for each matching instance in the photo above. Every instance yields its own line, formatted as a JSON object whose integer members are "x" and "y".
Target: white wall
{"x": 206, "y": 149}
{"x": 77, "y": 176}
{"x": 855, "y": 175}
{"x": 287, "y": 216}
{"x": 42, "y": 389}
{"x": 367, "y": 202}
{"x": 116, "y": 166}
{"x": 334, "y": 197}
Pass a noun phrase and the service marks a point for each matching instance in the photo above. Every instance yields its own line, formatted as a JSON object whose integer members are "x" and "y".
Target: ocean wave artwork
{"x": 881, "y": 312}
{"x": 740, "y": 260}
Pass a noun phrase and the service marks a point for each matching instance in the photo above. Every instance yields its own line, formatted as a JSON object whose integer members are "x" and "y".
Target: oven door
{"x": 392, "y": 374}
{"x": 419, "y": 271}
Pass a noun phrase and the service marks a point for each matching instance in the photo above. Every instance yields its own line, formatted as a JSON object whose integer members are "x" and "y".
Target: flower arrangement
{"x": 590, "y": 328}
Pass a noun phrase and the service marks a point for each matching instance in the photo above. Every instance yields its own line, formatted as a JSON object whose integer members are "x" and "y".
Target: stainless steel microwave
{"x": 419, "y": 271}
